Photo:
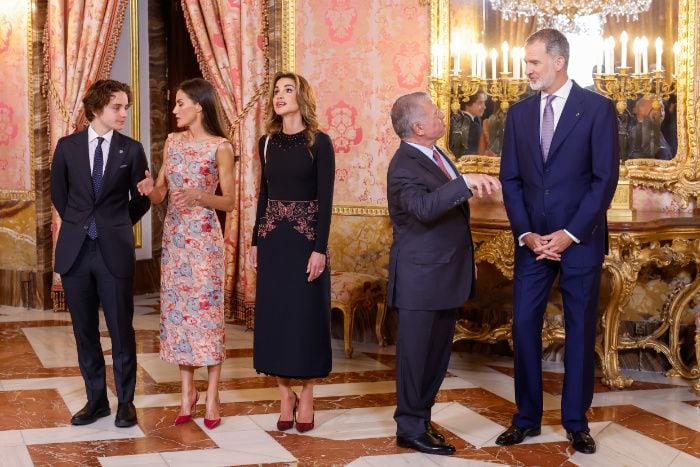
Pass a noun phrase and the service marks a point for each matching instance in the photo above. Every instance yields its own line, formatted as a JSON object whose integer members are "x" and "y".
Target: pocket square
{"x": 123, "y": 165}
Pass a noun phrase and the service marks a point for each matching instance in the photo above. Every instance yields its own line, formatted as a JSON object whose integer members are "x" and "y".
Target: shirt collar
{"x": 92, "y": 135}
{"x": 562, "y": 92}
{"x": 424, "y": 149}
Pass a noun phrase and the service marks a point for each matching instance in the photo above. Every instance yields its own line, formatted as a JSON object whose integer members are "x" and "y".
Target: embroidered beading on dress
{"x": 301, "y": 214}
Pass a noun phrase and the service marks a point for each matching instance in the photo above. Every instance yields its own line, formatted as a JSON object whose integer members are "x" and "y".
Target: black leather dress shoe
{"x": 516, "y": 435}
{"x": 432, "y": 431}
{"x": 426, "y": 444}
{"x": 126, "y": 415}
{"x": 582, "y": 441}
{"x": 91, "y": 412}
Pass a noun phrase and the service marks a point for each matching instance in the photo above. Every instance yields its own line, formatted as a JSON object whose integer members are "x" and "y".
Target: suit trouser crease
{"x": 423, "y": 348}
{"x": 87, "y": 284}
{"x": 579, "y": 288}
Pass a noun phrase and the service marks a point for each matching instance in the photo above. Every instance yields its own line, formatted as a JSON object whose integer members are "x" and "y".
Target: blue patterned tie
{"x": 96, "y": 182}
{"x": 547, "y": 127}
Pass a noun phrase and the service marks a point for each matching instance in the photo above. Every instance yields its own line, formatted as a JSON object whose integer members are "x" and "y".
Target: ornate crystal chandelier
{"x": 562, "y": 14}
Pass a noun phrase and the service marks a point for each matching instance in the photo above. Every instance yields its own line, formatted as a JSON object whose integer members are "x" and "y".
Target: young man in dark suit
{"x": 93, "y": 187}
{"x": 559, "y": 170}
{"x": 431, "y": 265}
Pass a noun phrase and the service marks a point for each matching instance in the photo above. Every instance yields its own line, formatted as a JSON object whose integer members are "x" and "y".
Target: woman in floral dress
{"x": 292, "y": 311}
{"x": 195, "y": 161}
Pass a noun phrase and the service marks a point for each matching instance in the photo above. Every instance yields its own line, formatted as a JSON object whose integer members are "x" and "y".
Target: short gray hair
{"x": 555, "y": 43}
{"x": 406, "y": 111}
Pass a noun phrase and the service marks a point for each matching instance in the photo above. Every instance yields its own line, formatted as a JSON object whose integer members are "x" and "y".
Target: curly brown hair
{"x": 306, "y": 98}
{"x": 100, "y": 92}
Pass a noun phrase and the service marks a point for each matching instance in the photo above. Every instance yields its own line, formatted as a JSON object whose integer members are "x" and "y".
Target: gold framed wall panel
{"x": 135, "y": 93}
{"x": 679, "y": 176}
{"x": 27, "y": 195}
{"x": 288, "y": 35}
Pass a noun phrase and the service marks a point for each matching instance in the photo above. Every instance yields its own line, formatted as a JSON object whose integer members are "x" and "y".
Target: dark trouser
{"x": 87, "y": 284}
{"x": 423, "y": 347}
{"x": 580, "y": 289}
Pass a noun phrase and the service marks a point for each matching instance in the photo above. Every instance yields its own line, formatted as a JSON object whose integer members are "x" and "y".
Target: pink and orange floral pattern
{"x": 15, "y": 113}
{"x": 359, "y": 58}
{"x": 340, "y": 19}
{"x": 341, "y": 126}
{"x": 228, "y": 36}
{"x": 192, "y": 264}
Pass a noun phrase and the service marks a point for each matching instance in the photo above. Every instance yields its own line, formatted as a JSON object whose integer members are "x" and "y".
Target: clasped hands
{"x": 549, "y": 246}
{"x": 181, "y": 198}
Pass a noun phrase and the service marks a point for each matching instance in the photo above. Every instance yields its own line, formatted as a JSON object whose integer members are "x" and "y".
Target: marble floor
{"x": 655, "y": 423}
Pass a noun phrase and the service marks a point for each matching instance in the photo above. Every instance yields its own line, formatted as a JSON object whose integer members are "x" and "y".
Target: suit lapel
{"x": 570, "y": 116}
{"x": 424, "y": 162}
{"x": 533, "y": 130}
{"x": 114, "y": 160}
{"x": 82, "y": 153}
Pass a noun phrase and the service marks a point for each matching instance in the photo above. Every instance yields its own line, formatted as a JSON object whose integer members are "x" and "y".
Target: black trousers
{"x": 423, "y": 348}
{"x": 88, "y": 284}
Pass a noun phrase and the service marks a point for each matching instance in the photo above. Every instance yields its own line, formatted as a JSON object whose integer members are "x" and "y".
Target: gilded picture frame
{"x": 678, "y": 176}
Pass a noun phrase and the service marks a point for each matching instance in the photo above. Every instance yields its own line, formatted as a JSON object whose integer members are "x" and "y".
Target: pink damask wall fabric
{"x": 359, "y": 56}
{"x": 81, "y": 40}
{"x": 229, "y": 38}
{"x": 15, "y": 150}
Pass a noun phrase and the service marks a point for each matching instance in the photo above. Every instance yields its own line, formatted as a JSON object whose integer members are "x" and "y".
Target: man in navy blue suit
{"x": 431, "y": 264}
{"x": 559, "y": 170}
{"x": 93, "y": 187}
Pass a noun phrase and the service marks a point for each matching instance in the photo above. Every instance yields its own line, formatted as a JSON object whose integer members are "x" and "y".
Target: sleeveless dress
{"x": 192, "y": 263}
{"x": 292, "y": 336}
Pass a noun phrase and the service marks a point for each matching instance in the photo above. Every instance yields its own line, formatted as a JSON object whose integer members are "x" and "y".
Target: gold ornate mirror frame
{"x": 679, "y": 176}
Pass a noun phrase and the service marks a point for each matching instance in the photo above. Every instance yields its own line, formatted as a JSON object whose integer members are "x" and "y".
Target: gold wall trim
{"x": 680, "y": 175}
{"x": 360, "y": 210}
{"x": 27, "y": 195}
{"x": 135, "y": 93}
{"x": 288, "y": 35}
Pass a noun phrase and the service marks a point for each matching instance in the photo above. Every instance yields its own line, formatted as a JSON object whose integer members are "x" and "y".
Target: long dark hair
{"x": 307, "y": 106}
{"x": 203, "y": 93}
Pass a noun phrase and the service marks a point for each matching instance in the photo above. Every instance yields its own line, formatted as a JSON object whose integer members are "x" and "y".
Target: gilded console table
{"x": 650, "y": 238}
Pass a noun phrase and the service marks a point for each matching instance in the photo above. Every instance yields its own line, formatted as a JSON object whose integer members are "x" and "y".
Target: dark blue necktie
{"x": 96, "y": 182}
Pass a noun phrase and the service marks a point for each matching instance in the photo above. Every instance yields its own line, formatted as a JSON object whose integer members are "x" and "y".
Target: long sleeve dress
{"x": 292, "y": 316}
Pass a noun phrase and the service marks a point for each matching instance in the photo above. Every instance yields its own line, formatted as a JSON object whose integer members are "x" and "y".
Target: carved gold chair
{"x": 351, "y": 291}
{"x": 359, "y": 253}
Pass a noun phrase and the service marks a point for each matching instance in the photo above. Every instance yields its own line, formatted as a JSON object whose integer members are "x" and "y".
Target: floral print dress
{"x": 192, "y": 263}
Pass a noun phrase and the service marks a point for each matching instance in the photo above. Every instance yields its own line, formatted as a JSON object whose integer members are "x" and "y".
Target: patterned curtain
{"x": 230, "y": 39}
{"x": 80, "y": 41}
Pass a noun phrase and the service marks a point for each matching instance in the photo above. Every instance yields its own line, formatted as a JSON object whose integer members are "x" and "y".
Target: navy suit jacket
{"x": 431, "y": 265}
{"x": 115, "y": 212}
{"x": 574, "y": 188}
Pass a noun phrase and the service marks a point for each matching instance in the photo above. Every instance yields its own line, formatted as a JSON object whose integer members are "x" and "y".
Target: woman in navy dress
{"x": 292, "y": 314}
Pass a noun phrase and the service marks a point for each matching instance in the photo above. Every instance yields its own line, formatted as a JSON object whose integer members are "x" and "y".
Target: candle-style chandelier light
{"x": 562, "y": 14}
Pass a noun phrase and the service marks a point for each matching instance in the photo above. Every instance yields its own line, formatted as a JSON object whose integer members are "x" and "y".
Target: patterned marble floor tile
{"x": 617, "y": 445}
{"x": 655, "y": 422}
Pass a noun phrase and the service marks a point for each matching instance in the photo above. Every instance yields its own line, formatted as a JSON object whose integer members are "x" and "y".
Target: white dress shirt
{"x": 429, "y": 154}
{"x": 561, "y": 95}
{"x": 92, "y": 146}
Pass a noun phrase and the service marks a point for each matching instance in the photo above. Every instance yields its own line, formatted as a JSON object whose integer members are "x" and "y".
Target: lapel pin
{"x": 578, "y": 114}
{"x": 121, "y": 150}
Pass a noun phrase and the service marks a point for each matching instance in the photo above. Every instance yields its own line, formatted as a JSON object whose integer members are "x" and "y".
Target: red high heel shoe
{"x": 284, "y": 425}
{"x": 303, "y": 427}
{"x": 212, "y": 423}
{"x": 180, "y": 419}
